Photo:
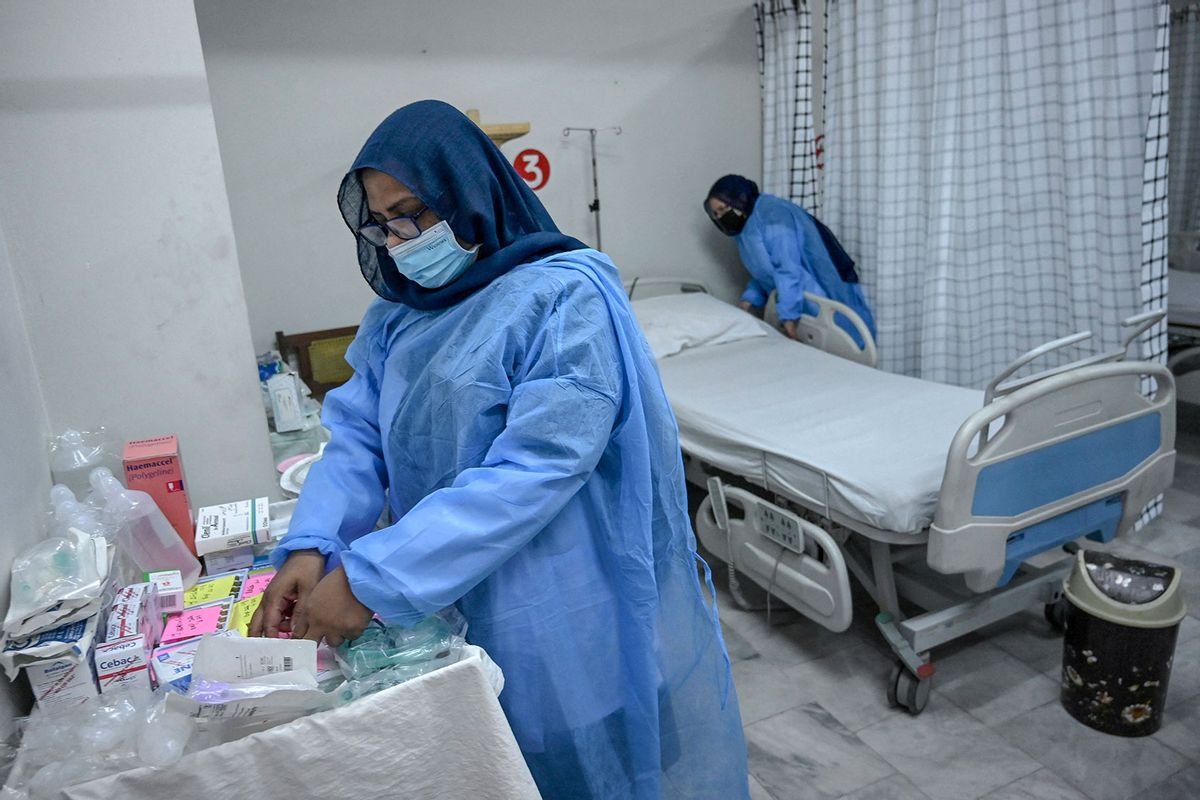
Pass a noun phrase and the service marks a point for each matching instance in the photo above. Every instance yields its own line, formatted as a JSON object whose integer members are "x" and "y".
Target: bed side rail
{"x": 823, "y": 332}
{"x": 1074, "y": 453}
{"x": 786, "y": 555}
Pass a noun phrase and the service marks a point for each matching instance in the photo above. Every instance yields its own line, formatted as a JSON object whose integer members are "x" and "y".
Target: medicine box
{"x": 230, "y": 526}
{"x": 135, "y": 610}
{"x": 229, "y": 560}
{"x": 62, "y": 682}
{"x": 154, "y": 467}
{"x": 170, "y": 589}
{"x": 123, "y": 662}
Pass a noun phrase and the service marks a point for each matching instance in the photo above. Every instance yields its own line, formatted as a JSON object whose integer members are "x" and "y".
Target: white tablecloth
{"x": 442, "y": 735}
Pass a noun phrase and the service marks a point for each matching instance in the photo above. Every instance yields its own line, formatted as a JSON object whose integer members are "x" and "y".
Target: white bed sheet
{"x": 785, "y": 415}
{"x": 1183, "y": 298}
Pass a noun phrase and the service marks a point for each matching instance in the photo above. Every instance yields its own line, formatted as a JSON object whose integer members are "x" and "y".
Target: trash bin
{"x": 1122, "y": 621}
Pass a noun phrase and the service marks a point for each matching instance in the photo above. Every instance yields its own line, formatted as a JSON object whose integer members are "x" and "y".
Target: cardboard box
{"x": 229, "y": 560}
{"x": 135, "y": 611}
{"x": 154, "y": 467}
{"x": 169, "y": 584}
{"x": 62, "y": 682}
{"x": 123, "y": 663}
{"x": 230, "y": 526}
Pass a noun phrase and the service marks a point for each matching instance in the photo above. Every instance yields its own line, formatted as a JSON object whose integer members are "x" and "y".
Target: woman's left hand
{"x": 789, "y": 328}
{"x": 330, "y": 612}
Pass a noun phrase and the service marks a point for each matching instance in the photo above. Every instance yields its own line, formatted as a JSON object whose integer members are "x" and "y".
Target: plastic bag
{"x": 62, "y": 573}
{"x": 386, "y": 655}
{"x": 106, "y": 734}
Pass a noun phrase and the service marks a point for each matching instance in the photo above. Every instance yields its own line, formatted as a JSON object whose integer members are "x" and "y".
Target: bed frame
{"x": 1070, "y": 452}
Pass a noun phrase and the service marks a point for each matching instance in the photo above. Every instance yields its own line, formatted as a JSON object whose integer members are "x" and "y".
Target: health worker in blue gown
{"x": 507, "y": 411}
{"x": 788, "y": 251}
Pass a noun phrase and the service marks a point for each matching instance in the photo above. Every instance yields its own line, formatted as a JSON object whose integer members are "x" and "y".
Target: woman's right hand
{"x": 299, "y": 575}
{"x": 749, "y": 308}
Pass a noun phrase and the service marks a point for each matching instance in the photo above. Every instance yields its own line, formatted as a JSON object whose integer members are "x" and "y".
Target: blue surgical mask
{"x": 434, "y": 258}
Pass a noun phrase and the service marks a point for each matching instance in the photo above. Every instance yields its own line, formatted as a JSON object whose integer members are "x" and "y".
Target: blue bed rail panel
{"x": 1049, "y": 474}
{"x": 1097, "y": 521}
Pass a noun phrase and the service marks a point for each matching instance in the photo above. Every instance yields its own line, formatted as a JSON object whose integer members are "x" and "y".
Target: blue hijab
{"x": 455, "y": 169}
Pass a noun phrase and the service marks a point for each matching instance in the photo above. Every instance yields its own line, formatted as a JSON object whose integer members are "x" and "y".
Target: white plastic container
{"x": 143, "y": 531}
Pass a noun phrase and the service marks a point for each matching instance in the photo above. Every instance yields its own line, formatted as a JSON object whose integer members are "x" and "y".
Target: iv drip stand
{"x": 594, "y": 206}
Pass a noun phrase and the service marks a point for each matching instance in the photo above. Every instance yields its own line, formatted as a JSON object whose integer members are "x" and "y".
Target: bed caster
{"x": 1056, "y": 614}
{"x": 907, "y": 691}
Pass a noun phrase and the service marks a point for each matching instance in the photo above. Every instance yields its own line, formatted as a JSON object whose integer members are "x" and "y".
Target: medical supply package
{"x": 62, "y": 681}
{"x": 239, "y": 558}
{"x": 58, "y": 663}
{"x": 57, "y": 581}
{"x": 135, "y": 610}
{"x": 214, "y": 588}
{"x": 155, "y": 467}
{"x": 70, "y": 642}
{"x": 169, "y": 584}
{"x": 232, "y": 525}
{"x": 197, "y": 621}
{"x": 172, "y": 664}
{"x": 123, "y": 663}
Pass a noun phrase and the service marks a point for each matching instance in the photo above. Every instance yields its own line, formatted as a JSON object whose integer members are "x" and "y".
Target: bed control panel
{"x": 780, "y": 527}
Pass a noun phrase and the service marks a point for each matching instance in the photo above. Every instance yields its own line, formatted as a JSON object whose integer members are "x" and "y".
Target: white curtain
{"x": 1185, "y": 122}
{"x": 988, "y": 164}
{"x": 785, "y": 64}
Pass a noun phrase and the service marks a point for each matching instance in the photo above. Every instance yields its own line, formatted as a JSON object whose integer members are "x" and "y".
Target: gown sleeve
{"x": 344, "y": 492}
{"x": 793, "y": 274}
{"x": 755, "y": 294}
{"x": 560, "y": 418}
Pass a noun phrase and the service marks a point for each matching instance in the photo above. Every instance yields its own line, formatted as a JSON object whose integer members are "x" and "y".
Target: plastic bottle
{"x": 163, "y": 738}
{"x": 72, "y": 457}
{"x": 142, "y": 530}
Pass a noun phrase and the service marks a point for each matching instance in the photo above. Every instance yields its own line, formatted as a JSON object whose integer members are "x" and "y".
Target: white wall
{"x": 24, "y": 471}
{"x": 113, "y": 202}
{"x": 298, "y": 86}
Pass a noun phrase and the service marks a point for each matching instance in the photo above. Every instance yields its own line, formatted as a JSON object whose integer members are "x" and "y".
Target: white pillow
{"x": 673, "y": 323}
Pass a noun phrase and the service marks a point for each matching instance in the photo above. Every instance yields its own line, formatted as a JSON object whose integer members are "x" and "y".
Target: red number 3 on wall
{"x": 533, "y": 167}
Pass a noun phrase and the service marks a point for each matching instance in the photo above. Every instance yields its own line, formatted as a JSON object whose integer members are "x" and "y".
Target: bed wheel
{"x": 907, "y": 691}
{"x": 1056, "y": 614}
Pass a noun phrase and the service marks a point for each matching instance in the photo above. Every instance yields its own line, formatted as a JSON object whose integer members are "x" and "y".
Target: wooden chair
{"x": 318, "y": 356}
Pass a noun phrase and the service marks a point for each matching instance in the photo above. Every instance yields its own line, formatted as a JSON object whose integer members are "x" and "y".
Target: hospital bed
{"x": 1183, "y": 321}
{"x": 817, "y": 468}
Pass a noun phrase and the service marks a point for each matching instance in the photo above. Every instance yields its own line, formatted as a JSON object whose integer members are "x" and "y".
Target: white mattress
{"x": 1183, "y": 298}
{"x": 785, "y": 415}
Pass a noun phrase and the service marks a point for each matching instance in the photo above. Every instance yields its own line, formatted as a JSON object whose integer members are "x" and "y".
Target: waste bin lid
{"x": 1141, "y": 594}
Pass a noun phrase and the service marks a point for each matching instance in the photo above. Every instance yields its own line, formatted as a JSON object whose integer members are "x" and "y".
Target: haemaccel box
{"x": 154, "y": 467}
{"x": 230, "y": 526}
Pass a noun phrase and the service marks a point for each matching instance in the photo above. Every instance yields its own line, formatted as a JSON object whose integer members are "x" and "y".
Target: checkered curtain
{"x": 997, "y": 168}
{"x": 1185, "y": 120}
{"x": 785, "y": 70}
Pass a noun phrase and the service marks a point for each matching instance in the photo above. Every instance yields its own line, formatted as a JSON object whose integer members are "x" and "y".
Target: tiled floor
{"x": 818, "y": 725}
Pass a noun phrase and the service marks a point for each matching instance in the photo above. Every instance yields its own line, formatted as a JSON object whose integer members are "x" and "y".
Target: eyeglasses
{"x": 402, "y": 227}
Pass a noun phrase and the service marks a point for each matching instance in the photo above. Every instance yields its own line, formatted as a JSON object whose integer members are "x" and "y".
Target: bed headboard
{"x": 639, "y": 288}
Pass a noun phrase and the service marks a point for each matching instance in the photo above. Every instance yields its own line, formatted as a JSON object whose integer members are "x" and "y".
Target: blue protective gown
{"x": 783, "y": 251}
{"x": 526, "y": 447}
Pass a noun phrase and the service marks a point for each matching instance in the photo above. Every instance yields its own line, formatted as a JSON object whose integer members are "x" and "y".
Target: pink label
{"x": 256, "y": 584}
{"x": 197, "y": 621}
